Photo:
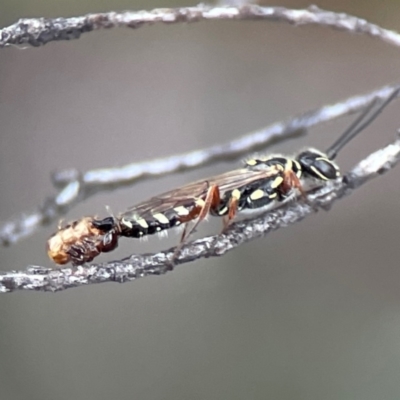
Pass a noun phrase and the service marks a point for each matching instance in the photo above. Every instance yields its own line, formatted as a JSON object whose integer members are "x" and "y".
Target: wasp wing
{"x": 187, "y": 195}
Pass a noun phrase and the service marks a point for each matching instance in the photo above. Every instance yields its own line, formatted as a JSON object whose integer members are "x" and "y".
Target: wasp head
{"x": 317, "y": 165}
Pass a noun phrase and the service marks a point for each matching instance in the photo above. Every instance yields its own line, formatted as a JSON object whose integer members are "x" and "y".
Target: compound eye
{"x": 325, "y": 169}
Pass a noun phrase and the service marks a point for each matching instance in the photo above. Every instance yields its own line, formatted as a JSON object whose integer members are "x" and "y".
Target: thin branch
{"x": 76, "y": 187}
{"x": 138, "y": 266}
{"x": 39, "y": 31}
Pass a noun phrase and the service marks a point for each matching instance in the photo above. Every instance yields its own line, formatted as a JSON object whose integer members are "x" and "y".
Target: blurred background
{"x": 310, "y": 312}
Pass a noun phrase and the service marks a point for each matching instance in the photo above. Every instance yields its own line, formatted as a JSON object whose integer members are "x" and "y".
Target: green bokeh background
{"x": 311, "y": 312}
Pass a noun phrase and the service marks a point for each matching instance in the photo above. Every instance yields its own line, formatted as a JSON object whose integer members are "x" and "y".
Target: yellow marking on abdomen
{"x": 127, "y": 223}
{"x": 200, "y": 202}
{"x": 161, "y": 218}
{"x": 181, "y": 210}
{"x": 142, "y": 222}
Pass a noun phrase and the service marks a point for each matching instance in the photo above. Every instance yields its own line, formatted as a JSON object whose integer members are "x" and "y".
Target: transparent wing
{"x": 187, "y": 194}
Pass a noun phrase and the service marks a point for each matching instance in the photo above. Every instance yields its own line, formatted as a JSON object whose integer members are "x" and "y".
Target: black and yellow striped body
{"x": 254, "y": 195}
{"x": 268, "y": 190}
{"x": 250, "y": 196}
{"x": 139, "y": 226}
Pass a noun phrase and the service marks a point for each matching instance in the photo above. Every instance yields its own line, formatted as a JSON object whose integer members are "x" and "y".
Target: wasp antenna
{"x": 358, "y": 125}
{"x": 347, "y": 135}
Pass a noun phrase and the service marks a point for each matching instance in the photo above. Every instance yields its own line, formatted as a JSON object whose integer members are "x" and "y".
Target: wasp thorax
{"x": 318, "y": 165}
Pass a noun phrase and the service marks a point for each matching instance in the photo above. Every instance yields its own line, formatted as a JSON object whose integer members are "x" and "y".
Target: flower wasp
{"x": 263, "y": 183}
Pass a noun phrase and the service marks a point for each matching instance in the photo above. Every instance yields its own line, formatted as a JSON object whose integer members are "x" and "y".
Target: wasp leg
{"x": 297, "y": 184}
{"x": 292, "y": 181}
{"x": 83, "y": 252}
{"x": 77, "y": 254}
{"x": 184, "y": 233}
{"x": 212, "y": 200}
{"x": 233, "y": 206}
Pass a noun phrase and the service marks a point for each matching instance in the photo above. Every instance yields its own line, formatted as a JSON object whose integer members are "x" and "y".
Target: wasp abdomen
{"x": 138, "y": 227}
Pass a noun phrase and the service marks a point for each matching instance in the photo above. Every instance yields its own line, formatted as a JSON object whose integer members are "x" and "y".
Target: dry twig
{"x": 137, "y": 266}
{"x": 39, "y": 31}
